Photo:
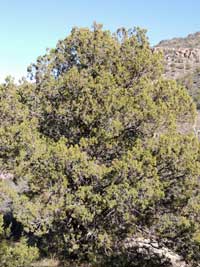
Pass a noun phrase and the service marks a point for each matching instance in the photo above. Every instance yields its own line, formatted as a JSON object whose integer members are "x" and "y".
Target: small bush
{"x": 15, "y": 254}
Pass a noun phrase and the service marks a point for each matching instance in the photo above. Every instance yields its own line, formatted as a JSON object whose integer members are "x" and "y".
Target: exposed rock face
{"x": 180, "y": 61}
{"x": 8, "y": 185}
{"x": 6, "y": 176}
{"x": 151, "y": 251}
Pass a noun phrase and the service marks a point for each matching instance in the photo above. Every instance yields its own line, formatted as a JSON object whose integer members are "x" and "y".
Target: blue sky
{"x": 27, "y": 28}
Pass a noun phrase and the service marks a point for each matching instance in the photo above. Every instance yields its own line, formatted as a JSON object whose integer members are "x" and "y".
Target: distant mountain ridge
{"x": 190, "y": 41}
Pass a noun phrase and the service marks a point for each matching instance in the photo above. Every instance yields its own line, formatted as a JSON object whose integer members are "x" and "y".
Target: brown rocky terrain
{"x": 182, "y": 55}
{"x": 182, "y": 63}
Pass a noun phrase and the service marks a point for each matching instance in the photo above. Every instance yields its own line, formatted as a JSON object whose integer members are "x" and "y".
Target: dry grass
{"x": 46, "y": 263}
{"x": 55, "y": 263}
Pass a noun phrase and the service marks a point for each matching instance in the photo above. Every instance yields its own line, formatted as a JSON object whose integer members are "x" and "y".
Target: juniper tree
{"x": 100, "y": 150}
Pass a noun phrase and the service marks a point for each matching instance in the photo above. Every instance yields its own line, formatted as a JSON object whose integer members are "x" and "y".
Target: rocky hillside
{"x": 182, "y": 62}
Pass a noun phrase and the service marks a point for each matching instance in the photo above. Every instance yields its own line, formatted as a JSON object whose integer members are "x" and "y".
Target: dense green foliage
{"x": 94, "y": 140}
{"x": 15, "y": 254}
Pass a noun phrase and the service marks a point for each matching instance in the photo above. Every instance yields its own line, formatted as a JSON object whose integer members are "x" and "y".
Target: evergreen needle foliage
{"x": 94, "y": 151}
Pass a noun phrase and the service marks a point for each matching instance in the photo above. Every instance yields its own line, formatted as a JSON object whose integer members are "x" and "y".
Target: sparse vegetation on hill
{"x": 190, "y": 41}
{"x": 182, "y": 62}
{"x": 192, "y": 82}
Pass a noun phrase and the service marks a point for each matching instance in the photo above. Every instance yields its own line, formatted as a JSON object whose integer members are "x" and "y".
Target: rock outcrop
{"x": 150, "y": 251}
{"x": 9, "y": 188}
{"x": 180, "y": 61}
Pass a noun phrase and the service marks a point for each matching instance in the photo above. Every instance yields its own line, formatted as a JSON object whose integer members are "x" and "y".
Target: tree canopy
{"x": 93, "y": 146}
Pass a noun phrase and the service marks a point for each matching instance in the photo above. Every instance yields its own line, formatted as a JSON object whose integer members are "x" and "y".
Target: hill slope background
{"x": 182, "y": 62}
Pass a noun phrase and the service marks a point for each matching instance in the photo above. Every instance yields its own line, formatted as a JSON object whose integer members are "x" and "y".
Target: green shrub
{"x": 16, "y": 254}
